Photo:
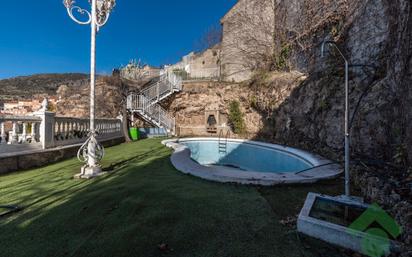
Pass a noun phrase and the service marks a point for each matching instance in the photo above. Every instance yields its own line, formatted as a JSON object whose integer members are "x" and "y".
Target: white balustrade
{"x": 14, "y": 129}
{"x": 48, "y": 131}
{"x": 74, "y": 130}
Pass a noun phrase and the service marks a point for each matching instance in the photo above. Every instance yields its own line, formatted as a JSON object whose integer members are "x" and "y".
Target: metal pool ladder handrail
{"x": 222, "y": 145}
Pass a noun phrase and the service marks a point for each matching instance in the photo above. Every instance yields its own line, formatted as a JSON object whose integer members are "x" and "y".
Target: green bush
{"x": 236, "y": 118}
{"x": 281, "y": 58}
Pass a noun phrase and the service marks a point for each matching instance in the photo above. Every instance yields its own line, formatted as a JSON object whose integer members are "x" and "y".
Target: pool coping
{"x": 182, "y": 161}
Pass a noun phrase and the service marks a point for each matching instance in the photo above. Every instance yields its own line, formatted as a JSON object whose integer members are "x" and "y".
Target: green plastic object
{"x": 134, "y": 134}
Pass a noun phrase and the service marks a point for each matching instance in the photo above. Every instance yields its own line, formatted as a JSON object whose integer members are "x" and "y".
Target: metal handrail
{"x": 168, "y": 83}
{"x": 147, "y": 101}
{"x": 222, "y": 146}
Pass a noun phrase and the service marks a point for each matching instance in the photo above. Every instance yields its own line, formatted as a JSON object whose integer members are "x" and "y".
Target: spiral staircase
{"x": 146, "y": 103}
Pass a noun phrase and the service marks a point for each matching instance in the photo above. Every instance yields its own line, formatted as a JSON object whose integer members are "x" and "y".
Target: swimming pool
{"x": 245, "y": 156}
{"x": 248, "y": 162}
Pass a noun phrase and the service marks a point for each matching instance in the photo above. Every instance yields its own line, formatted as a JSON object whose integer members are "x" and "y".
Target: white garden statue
{"x": 44, "y": 105}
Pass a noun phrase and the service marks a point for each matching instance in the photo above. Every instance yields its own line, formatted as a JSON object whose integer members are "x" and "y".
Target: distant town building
{"x": 203, "y": 65}
{"x": 26, "y": 106}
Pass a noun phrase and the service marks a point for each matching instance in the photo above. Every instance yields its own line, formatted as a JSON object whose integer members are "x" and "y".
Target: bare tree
{"x": 128, "y": 79}
{"x": 249, "y": 35}
{"x": 210, "y": 38}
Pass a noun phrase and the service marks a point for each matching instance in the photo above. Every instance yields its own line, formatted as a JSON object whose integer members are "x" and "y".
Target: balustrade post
{"x": 13, "y": 136}
{"x": 3, "y": 134}
{"x": 46, "y": 128}
{"x": 24, "y": 134}
{"x": 33, "y": 132}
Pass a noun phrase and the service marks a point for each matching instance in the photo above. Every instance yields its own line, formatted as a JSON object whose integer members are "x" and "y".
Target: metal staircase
{"x": 146, "y": 103}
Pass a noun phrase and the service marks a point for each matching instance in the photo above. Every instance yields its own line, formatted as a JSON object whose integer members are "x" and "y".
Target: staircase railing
{"x": 153, "y": 113}
{"x": 147, "y": 102}
{"x": 167, "y": 84}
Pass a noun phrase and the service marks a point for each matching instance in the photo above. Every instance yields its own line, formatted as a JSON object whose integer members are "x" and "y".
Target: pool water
{"x": 246, "y": 156}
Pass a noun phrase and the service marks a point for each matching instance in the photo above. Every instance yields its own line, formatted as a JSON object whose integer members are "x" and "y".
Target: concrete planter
{"x": 339, "y": 235}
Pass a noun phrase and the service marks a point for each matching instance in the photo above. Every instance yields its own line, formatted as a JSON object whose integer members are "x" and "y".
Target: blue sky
{"x": 39, "y": 37}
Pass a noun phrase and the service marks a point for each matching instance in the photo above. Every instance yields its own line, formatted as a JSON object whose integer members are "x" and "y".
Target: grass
{"x": 147, "y": 202}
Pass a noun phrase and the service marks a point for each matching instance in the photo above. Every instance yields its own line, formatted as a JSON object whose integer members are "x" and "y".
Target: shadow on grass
{"x": 147, "y": 202}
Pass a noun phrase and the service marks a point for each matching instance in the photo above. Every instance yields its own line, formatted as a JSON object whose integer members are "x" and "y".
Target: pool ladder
{"x": 222, "y": 146}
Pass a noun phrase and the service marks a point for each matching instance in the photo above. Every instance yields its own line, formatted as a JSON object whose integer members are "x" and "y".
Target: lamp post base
{"x": 89, "y": 172}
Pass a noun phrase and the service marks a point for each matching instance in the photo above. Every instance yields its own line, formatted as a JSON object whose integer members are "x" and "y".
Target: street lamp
{"x": 91, "y": 152}
{"x": 347, "y": 129}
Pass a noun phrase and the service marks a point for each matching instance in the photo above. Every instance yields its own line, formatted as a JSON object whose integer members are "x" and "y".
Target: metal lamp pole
{"x": 91, "y": 152}
{"x": 347, "y": 129}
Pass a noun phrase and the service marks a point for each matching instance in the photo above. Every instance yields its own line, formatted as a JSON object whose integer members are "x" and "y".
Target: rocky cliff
{"x": 376, "y": 38}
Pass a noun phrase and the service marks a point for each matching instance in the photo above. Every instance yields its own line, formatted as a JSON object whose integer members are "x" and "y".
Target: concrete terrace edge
{"x": 25, "y": 160}
{"x": 182, "y": 161}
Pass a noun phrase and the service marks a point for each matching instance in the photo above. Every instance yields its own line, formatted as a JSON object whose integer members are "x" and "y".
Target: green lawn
{"x": 146, "y": 202}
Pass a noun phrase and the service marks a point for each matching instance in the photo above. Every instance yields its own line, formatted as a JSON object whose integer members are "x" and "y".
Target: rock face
{"x": 199, "y": 100}
{"x": 375, "y": 36}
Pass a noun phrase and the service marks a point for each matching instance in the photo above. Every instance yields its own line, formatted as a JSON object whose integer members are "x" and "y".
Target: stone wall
{"x": 200, "y": 65}
{"x": 205, "y": 64}
{"x": 247, "y": 38}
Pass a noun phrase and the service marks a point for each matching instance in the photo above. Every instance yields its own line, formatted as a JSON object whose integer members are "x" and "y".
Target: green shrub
{"x": 281, "y": 58}
{"x": 236, "y": 118}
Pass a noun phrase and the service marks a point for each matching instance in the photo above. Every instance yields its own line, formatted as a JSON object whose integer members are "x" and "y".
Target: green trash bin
{"x": 134, "y": 134}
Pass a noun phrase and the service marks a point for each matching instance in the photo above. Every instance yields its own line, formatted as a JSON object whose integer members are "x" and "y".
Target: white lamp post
{"x": 91, "y": 152}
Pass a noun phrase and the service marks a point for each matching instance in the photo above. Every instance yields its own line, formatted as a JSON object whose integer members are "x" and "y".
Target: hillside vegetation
{"x": 27, "y": 86}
